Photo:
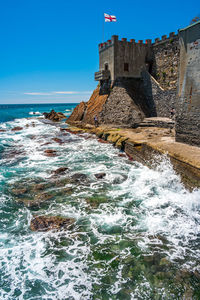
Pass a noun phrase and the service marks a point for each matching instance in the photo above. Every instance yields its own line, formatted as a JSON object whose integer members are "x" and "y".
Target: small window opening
{"x": 106, "y": 67}
{"x": 126, "y": 67}
{"x": 165, "y": 52}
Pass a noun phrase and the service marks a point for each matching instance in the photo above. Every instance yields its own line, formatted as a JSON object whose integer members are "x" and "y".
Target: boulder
{"x": 54, "y": 116}
{"x": 46, "y": 223}
{"x": 78, "y": 178}
{"x": 100, "y": 175}
{"x": 17, "y": 128}
{"x": 60, "y": 170}
{"x": 2, "y": 130}
{"x": 50, "y": 152}
{"x": 57, "y": 140}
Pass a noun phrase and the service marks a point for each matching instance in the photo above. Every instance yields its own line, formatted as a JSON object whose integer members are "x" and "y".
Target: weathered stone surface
{"x": 85, "y": 112}
{"x": 78, "y": 113}
{"x": 144, "y": 145}
{"x": 54, "y": 116}
{"x": 46, "y": 223}
{"x": 165, "y": 62}
{"x": 17, "y": 128}
{"x": 188, "y": 103}
{"x": 100, "y": 175}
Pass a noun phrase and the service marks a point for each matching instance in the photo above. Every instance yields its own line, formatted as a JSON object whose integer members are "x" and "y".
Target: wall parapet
{"x": 165, "y": 38}
{"x": 148, "y": 42}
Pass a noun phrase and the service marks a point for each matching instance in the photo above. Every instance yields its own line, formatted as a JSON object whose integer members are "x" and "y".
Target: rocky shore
{"x": 147, "y": 145}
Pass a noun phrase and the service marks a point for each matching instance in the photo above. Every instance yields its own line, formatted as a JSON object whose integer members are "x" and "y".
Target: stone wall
{"x": 125, "y": 105}
{"x": 188, "y": 104}
{"x": 160, "y": 100}
{"x": 165, "y": 61}
{"x": 115, "y": 53}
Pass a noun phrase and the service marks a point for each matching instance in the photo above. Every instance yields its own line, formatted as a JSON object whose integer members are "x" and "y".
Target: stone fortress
{"x": 142, "y": 80}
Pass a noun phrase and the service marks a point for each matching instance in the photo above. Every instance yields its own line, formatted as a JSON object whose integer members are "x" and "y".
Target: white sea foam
{"x": 34, "y": 113}
{"x": 143, "y": 205}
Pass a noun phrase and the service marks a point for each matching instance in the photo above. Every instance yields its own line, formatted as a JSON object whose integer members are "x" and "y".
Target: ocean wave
{"x": 34, "y": 113}
{"x": 134, "y": 213}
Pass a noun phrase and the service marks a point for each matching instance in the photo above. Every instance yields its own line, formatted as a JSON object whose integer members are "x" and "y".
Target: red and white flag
{"x": 109, "y": 18}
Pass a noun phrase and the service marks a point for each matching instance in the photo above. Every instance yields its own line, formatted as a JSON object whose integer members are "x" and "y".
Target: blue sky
{"x": 49, "y": 48}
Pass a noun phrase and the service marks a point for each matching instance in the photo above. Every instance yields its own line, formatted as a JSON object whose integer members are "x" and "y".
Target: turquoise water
{"x": 136, "y": 233}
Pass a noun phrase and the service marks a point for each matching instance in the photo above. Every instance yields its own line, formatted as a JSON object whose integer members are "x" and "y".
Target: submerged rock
{"x": 79, "y": 178}
{"x": 54, "y": 116}
{"x": 37, "y": 200}
{"x": 60, "y": 170}
{"x": 19, "y": 192}
{"x": 57, "y": 140}
{"x": 50, "y": 152}
{"x": 122, "y": 155}
{"x": 100, "y": 175}
{"x": 46, "y": 223}
{"x": 17, "y": 128}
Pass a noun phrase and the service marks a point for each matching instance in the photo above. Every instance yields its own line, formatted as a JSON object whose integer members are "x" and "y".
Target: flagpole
{"x": 103, "y": 30}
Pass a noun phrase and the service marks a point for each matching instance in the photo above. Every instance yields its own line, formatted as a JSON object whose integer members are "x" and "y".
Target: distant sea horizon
{"x": 10, "y": 112}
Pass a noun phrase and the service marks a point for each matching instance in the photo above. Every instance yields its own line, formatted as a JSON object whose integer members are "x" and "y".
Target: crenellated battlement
{"x": 165, "y": 38}
{"x": 115, "y": 39}
{"x": 127, "y": 58}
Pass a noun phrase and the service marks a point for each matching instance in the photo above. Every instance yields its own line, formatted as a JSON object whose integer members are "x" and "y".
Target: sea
{"x": 135, "y": 231}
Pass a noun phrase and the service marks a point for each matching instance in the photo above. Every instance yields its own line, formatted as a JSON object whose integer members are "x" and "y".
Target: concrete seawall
{"x": 148, "y": 145}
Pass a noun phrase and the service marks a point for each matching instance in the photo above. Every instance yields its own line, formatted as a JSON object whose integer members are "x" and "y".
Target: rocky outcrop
{"x": 54, "y": 116}
{"x": 50, "y": 152}
{"x": 17, "y": 128}
{"x": 85, "y": 112}
{"x": 46, "y": 223}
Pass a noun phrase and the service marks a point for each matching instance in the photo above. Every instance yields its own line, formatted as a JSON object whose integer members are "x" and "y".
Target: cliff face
{"x": 85, "y": 112}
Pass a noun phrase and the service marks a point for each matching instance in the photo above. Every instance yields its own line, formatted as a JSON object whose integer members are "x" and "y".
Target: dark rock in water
{"x": 2, "y": 130}
{"x": 43, "y": 197}
{"x": 39, "y": 187}
{"x": 12, "y": 153}
{"x": 122, "y": 155}
{"x": 78, "y": 178}
{"x": 100, "y": 175}
{"x": 19, "y": 192}
{"x": 36, "y": 201}
{"x": 67, "y": 190}
{"x": 96, "y": 200}
{"x": 46, "y": 223}
{"x": 61, "y": 170}
{"x": 54, "y": 116}
{"x": 17, "y": 128}
{"x": 50, "y": 152}
{"x": 103, "y": 141}
{"x": 57, "y": 140}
